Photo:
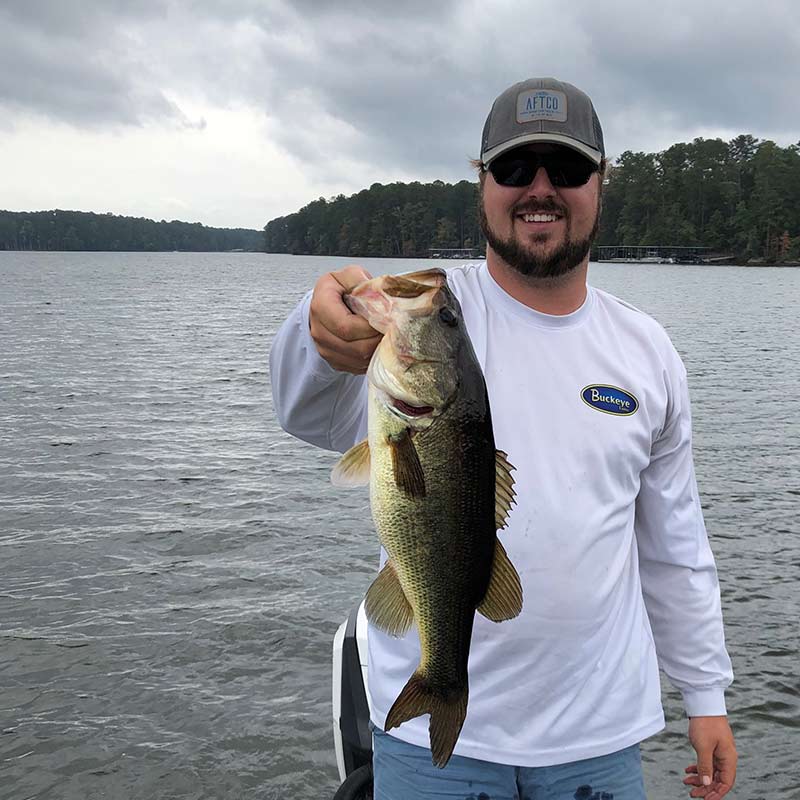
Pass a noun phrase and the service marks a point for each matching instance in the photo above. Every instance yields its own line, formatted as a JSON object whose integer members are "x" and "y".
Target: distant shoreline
{"x": 85, "y": 231}
{"x": 218, "y": 252}
{"x": 238, "y": 251}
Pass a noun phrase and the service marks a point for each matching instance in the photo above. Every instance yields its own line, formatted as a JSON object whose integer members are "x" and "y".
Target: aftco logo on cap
{"x": 541, "y": 104}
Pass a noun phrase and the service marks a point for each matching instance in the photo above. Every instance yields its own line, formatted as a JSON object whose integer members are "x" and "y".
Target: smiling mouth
{"x": 539, "y": 217}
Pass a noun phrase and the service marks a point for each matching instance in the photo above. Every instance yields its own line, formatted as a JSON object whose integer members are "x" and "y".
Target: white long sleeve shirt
{"x": 607, "y": 534}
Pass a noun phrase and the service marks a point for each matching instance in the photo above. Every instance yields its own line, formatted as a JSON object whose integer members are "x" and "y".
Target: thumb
{"x": 350, "y": 276}
{"x": 705, "y": 764}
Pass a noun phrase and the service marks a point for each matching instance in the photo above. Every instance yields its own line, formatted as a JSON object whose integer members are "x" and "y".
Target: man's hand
{"x": 714, "y": 773}
{"x": 344, "y": 339}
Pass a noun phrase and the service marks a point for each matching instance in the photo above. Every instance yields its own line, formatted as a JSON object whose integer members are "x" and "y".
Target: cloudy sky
{"x": 232, "y": 112}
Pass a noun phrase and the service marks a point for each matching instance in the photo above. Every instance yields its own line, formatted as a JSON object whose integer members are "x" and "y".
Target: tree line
{"x": 80, "y": 230}
{"x": 399, "y": 219}
{"x": 739, "y": 198}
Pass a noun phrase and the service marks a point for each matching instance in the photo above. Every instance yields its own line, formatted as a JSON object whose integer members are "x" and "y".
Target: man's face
{"x": 540, "y": 230}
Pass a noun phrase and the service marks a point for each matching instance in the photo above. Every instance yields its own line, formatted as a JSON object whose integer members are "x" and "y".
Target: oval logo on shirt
{"x": 610, "y": 400}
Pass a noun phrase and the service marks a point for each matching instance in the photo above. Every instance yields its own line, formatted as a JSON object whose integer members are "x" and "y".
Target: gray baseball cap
{"x": 542, "y": 110}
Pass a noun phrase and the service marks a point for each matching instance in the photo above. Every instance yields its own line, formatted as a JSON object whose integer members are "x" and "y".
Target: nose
{"x": 540, "y": 186}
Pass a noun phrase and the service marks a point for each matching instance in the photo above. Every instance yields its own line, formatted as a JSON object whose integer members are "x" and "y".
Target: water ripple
{"x": 173, "y": 566}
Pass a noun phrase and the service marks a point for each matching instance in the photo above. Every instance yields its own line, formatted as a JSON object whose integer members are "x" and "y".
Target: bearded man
{"x": 589, "y": 400}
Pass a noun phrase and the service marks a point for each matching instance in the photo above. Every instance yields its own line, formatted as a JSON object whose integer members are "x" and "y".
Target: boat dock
{"x": 653, "y": 254}
{"x": 464, "y": 253}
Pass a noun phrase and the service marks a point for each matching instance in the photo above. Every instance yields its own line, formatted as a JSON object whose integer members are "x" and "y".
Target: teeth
{"x": 539, "y": 217}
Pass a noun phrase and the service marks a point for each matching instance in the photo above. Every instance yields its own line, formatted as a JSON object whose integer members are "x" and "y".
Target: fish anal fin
{"x": 503, "y": 598}
{"x": 447, "y": 714}
{"x": 386, "y": 604}
{"x": 353, "y": 467}
{"x": 408, "y": 474}
{"x": 504, "y": 493}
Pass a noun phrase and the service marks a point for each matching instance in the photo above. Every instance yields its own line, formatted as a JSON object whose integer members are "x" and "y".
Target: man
{"x": 589, "y": 400}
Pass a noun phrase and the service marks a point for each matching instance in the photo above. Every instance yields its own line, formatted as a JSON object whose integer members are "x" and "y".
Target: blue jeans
{"x": 405, "y": 772}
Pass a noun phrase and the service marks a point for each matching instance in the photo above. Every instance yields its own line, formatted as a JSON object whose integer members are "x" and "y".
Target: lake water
{"x": 173, "y": 566}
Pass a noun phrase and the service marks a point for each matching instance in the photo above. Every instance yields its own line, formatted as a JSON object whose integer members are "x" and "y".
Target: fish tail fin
{"x": 447, "y": 714}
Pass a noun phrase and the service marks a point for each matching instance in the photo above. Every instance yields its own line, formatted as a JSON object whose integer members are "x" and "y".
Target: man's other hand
{"x": 714, "y": 773}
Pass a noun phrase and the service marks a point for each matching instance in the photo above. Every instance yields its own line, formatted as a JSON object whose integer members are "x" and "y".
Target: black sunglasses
{"x": 565, "y": 168}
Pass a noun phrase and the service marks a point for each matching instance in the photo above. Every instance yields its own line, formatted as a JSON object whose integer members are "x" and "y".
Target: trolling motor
{"x": 351, "y": 733}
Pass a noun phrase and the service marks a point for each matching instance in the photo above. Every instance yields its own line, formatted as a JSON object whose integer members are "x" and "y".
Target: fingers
{"x": 705, "y": 758}
{"x": 719, "y": 786}
{"x": 725, "y": 778}
{"x": 716, "y": 791}
{"x": 344, "y": 339}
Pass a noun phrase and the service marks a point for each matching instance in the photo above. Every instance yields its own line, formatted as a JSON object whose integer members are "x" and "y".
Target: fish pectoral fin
{"x": 386, "y": 605}
{"x": 352, "y": 469}
{"x": 503, "y": 598}
{"x": 447, "y": 709}
{"x": 504, "y": 493}
{"x": 408, "y": 474}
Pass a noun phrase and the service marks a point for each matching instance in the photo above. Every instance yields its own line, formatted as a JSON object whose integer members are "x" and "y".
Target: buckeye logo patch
{"x": 610, "y": 400}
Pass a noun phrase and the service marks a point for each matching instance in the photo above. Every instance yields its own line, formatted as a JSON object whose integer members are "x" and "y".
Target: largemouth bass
{"x": 439, "y": 492}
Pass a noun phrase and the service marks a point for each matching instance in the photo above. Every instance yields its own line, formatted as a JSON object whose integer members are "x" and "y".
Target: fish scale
{"x": 452, "y": 528}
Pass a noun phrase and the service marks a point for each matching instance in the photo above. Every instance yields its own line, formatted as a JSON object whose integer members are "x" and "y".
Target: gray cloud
{"x": 60, "y": 19}
{"x": 411, "y": 94}
{"x": 82, "y": 63}
{"x": 715, "y": 66}
{"x": 403, "y": 88}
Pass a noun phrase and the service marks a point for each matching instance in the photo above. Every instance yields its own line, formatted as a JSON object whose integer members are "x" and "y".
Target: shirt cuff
{"x": 704, "y": 702}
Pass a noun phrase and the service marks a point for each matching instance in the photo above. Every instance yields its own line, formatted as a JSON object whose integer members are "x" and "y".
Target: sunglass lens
{"x": 513, "y": 171}
{"x": 569, "y": 172}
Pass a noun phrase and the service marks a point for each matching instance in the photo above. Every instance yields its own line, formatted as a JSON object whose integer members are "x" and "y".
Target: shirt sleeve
{"x": 679, "y": 577}
{"x": 313, "y": 401}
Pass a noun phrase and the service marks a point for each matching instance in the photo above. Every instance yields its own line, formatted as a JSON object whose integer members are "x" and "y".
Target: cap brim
{"x": 553, "y": 138}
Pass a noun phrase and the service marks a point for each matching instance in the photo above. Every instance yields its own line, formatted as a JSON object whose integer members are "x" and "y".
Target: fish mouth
{"x": 408, "y": 410}
{"x": 389, "y": 389}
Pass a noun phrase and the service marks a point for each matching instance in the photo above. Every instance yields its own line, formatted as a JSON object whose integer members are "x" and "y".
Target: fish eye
{"x": 448, "y": 317}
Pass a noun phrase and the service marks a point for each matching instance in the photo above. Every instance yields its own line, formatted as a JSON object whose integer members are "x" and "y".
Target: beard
{"x": 561, "y": 261}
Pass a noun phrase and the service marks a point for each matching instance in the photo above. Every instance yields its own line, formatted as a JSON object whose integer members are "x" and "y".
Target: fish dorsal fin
{"x": 408, "y": 474}
{"x": 504, "y": 493}
{"x": 503, "y": 598}
{"x": 352, "y": 469}
{"x": 401, "y": 286}
{"x": 386, "y": 604}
